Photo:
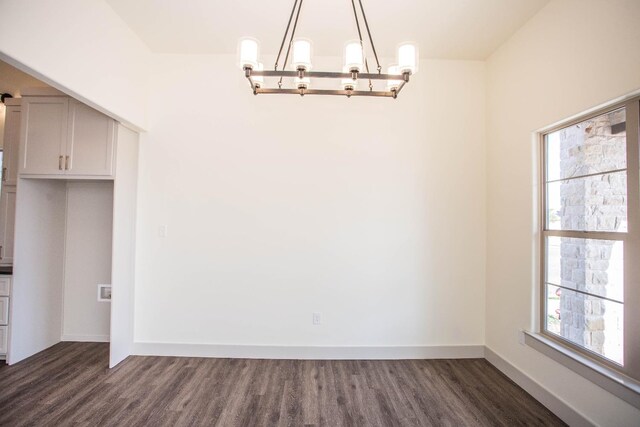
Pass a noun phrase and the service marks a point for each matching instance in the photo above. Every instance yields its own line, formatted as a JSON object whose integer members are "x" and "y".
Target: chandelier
{"x": 355, "y": 69}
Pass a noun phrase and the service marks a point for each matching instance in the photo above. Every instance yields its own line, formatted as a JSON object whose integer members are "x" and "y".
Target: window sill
{"x": 614, "y": 382}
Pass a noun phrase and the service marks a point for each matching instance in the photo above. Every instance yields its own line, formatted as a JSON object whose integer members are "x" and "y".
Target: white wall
{"x": 370, "y": 211}
{"x": 82, "y": 48}
{"x": 570, "y": 57}
{"x": 89, "y": 218}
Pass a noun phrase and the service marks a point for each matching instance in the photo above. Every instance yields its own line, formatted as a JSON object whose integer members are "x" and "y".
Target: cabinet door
{"x": 4, "y": 332}
{"x": 5, "y": 286}
{"x": 90, "y": 141}
{"x": 7, "y": 224}
{"x": 11, "y": 144}
{"x": 44, "y": 135}
{"x": 4, "y": 310}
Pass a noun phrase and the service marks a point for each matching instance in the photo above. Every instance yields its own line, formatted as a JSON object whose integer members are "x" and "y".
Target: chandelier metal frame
{"x": 301, "y": 73}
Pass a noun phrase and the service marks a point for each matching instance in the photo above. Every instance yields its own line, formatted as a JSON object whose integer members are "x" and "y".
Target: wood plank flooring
{"x": 69, "y": 384}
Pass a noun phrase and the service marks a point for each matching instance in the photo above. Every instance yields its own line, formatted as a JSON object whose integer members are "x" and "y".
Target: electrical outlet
{"x": 317, "y": 318}
{"x": 104, "y": 293}
{"x": 162, "y": 231}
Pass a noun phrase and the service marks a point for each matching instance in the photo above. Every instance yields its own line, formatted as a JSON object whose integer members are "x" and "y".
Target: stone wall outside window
{"x": 596, "y": 203}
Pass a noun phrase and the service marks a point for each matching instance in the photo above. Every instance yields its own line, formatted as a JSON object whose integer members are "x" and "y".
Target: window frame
{"x": 630, "y": 239}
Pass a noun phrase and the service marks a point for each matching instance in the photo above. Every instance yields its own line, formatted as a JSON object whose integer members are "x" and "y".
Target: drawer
{"x": 4, "y": 310}
{"x": 4, "y": 330}
{"x": 5, "y": 286}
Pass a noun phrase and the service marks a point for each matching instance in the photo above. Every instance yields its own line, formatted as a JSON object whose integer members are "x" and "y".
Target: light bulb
{"x": 303, "y": 83}
{"x": 393, "y": 84}
{"x": 248, "y": 52}
{"x": 408, "y": 58}
{"x": 348, "y": 83}
{"x": 258, "y": 81}
{"x": 301, "y": 59}
{"x": 353, "y": 56}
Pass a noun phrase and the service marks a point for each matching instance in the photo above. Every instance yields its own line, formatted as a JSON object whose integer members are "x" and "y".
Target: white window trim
{"x": 593, "y": 368}
{"x": 614, "y": 382}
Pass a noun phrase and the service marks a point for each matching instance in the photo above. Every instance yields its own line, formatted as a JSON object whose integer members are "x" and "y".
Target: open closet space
{"x": 63, "y": 254}
{"x": 67, "y": 224}
{"x": 73, "y": 245}
{"x": 89, "y": 219}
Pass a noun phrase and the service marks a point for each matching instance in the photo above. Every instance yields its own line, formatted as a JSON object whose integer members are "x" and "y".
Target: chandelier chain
{"x": 284, "y": 38}
{"x": 373, "y": 46}
{"x": 366, "y": 62}
{"x": 293, "y": 33}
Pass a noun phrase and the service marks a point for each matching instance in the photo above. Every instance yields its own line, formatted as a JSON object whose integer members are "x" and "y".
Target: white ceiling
{"x": 451, "y": 29}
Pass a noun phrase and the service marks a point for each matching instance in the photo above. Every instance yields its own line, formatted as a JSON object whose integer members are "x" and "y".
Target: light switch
{"x": 317, "y": 318}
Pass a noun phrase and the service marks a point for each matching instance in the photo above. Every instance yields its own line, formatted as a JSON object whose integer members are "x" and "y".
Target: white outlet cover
{"x": 317, "y": 318}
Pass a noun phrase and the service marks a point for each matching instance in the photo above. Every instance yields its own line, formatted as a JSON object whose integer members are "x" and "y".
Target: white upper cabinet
{"x": 65, "y": 138}
{"x": 11, "y": 144}
{"x": 89, "y": 141}
{"x": 44, "y": 135}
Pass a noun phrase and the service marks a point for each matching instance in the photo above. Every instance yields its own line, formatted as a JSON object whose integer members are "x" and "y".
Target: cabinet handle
{"x": 60, "y": 163}
{"x": 0, "y": 251}
{"x": 66, "y": 163}
{"x": 4, "y": 174}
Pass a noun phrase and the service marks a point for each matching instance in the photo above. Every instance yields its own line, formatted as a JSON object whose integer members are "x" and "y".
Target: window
{"x": 590, "y": 291}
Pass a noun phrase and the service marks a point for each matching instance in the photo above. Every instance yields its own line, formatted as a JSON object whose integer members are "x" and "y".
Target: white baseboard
{"x": 559, "y": 407}
{"x": 85, "y": 338}
{"x": 311, "y": 352}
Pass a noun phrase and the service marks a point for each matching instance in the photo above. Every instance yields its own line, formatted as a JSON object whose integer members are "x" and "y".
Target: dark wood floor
{"x": 69, "y": 384}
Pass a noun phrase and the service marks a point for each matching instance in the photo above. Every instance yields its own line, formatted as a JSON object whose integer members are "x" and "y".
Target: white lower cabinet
{"x": 4, "y": 311}
{"x": 5, "y": 294}
{"x": 4, "y": 333}
{"x": 7, "y": 224}
{"x": 5, "y": 286}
